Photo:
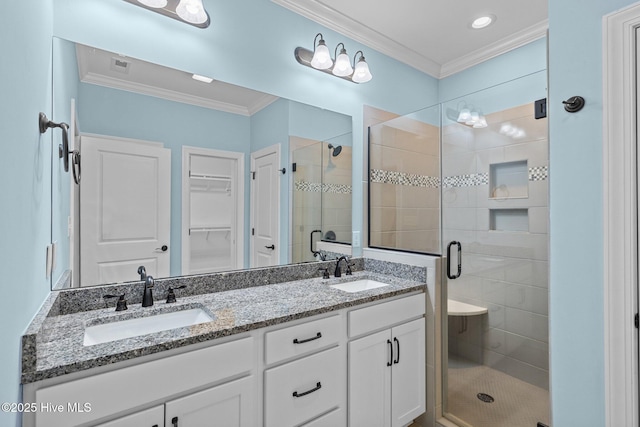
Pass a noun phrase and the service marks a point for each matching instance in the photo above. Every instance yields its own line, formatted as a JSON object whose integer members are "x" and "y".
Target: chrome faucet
{"x": 338, "y": 272}
{"x": 147, "y": 296}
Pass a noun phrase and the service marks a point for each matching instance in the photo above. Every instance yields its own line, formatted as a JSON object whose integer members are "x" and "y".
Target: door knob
{"x": 163, "y": 248}
{"x": 272, "y": 247}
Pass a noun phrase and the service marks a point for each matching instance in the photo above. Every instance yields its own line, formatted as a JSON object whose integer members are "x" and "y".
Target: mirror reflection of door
{"x": 265, "y": 202}
{"x": 125, "y": 216}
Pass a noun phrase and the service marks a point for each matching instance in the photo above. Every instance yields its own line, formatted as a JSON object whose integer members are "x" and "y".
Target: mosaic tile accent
{"x": 538, "y": 173}
{"x": 317, "y": 187}
{"x": 469, "y": 180}
{"x": 401, "y": 178}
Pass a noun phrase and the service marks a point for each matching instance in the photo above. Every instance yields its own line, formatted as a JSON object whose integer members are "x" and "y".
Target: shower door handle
{"x": 449, "y": 275}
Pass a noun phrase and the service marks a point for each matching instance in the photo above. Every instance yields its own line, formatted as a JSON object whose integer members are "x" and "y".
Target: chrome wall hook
{"x": 63, "y": 149}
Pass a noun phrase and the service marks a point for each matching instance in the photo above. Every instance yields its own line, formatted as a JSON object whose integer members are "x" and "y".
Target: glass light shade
{"x": 192, "y": 11}
{"x": 481, "y": 123}
{"x": 342, "y": 68}
{"x": 153, "y": 3}
{"x": 361, "y": 74}
{"x": 473, "y": 119}
{"x": 321, "y": 57}
{"x": 464, "y": 116}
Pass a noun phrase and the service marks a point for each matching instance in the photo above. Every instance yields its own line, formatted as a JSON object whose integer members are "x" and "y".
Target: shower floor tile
{"x": 516, "y": 403}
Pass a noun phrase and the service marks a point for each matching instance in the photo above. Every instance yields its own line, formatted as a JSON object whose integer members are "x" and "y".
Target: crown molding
{"x": 333, "y": 20}
{"x": 515, "y": 41}
{"x": 348, "y": 27}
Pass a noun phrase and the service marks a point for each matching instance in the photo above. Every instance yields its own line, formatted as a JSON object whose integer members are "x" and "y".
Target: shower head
{"x": 336, "y": 150}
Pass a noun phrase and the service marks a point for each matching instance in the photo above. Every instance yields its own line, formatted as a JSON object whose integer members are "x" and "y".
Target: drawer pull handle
{"x": 397, "y": 360}
{"x": 390, "y": 353}
{"x": 297, "y": 341}
{"x": 316, "y": 388}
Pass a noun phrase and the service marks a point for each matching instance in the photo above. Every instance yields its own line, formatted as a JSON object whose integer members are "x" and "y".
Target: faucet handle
{"x": 171, "y": 295}
{"x": 349, "y": 265}
{"x": 120, "y": 305}
{"x": 325, "y": 272}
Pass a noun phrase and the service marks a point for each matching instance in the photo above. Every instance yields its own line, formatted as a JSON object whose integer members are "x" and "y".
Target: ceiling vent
{"x": 120, "y": 64}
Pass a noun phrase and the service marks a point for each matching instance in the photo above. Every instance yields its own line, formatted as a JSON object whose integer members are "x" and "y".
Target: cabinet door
{"x": 153, "y": 417}
{"x": 408, "y": 398}
{"x": 229, "y": 405}
{"x": 370, "y": 381}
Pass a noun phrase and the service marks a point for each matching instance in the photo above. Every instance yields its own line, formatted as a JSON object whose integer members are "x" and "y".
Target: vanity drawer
{"x": 335, "y": 418}
{"x": 303, "y": 389}
{"x": 302, "y": 339}
{"x": 386, "y": 314}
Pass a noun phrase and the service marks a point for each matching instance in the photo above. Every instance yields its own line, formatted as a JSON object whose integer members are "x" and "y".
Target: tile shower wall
{"x": 321, "y": 195}
{"x": 404, "y": 186}
{"x": 495, "y": 202}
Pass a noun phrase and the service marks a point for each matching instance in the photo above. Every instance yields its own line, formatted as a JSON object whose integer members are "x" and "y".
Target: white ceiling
{"x": 433, "y": 36}
{"x": 99, "y": 67}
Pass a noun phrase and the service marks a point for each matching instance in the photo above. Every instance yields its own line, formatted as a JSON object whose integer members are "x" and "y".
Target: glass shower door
{"x": 494, "y": 188}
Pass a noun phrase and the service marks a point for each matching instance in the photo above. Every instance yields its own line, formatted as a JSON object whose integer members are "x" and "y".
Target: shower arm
{"x": 63, "y": 149}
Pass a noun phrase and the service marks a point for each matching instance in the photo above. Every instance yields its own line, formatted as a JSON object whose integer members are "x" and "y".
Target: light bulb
{"x": 153, "y": 3}
{"x": 342, "y": 68}
{"x": 192, "y": 11}
{"x": 361, "y": 74}
{"x": 473, "y": 119}
{"x": 464, "y": 116}
{"x": 321, "y": 57}
{"x": 480, "y": 123}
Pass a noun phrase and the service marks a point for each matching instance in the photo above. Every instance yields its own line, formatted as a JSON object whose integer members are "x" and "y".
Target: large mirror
{"x": 186, "y": 176}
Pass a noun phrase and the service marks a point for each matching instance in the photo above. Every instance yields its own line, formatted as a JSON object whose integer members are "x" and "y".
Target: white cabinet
{"x": 387, "y": 386}
{"x": 153, "y": 417}
{"x": 229, "y": 405}
{"x": 301, "y": 390}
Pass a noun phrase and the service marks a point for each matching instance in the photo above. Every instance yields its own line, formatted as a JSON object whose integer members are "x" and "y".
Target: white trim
{"x": 514, "y": 41}
{"x": 353, "y": 29}
{"x": 619, "y": 212}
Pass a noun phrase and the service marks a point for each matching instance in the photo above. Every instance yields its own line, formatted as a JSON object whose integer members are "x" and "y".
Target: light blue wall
{"x": 576, "y": 290}
{"x": 311, "y": 122}
{"x": 25, "y": 174}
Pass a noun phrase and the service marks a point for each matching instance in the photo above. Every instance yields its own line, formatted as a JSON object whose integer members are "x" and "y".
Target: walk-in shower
{"x": 475, "y": 194}
{"x": 321, "y": 194}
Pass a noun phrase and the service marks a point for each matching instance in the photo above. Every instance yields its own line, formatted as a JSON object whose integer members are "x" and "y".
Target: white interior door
{"x": 125, "y": 218}
{"x": 265, "y": 206}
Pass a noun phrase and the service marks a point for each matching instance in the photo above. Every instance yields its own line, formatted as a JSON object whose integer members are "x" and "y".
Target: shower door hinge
{"x": 541, "y": 108}
{"x": 253, "y": 175}
{"x": 636, "y": 321}
{"x": 294, "y": 166}
{"x": 253, "y": 231}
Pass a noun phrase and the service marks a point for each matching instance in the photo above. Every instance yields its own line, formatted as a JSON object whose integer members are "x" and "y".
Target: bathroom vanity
{"x": 313, "y": 352}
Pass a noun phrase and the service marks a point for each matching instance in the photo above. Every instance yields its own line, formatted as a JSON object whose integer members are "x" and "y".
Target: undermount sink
{"x": 359, "y": 285}
{"x": 129, "y": 328}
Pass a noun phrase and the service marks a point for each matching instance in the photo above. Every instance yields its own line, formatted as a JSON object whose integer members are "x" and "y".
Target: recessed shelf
{"x": 509, "y": 219}
{"x": 509, "y": 180}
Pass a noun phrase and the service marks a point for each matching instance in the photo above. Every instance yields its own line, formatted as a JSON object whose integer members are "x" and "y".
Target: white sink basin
{"x": 129, "y": 328}
{"x": 359, "y": 285}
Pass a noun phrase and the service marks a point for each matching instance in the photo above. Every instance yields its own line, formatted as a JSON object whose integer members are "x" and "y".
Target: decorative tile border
{"x": 401, "y": 178}
{"x": 537, "y": 173}
{"x": 318, "y": 187}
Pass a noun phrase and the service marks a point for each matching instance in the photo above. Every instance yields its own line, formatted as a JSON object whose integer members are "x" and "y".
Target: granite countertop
{"x": 53, "y": 344}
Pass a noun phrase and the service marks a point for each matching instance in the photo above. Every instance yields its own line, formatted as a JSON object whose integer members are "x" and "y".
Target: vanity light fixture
{"x": 472, "y": 118}
{"x": 190, "y": 11}
{"x": 320, "y": 59}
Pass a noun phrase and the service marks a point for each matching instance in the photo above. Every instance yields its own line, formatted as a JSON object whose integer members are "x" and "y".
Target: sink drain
{"x": 486, "y": 398}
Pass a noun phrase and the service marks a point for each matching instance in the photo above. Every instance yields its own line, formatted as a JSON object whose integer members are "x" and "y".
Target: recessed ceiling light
{"x": 202, "y": 78}
{"x": 483, "y": 22}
